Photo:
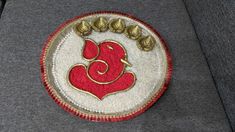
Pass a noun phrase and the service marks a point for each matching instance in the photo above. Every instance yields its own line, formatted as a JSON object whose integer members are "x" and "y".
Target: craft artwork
{"x": 105, "y": 66}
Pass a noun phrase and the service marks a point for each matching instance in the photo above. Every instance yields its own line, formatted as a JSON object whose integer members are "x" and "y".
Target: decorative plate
{"x": 105, "y": 66}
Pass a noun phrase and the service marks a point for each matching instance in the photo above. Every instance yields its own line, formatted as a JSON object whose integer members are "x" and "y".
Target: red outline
{"x": 104, "y": 119}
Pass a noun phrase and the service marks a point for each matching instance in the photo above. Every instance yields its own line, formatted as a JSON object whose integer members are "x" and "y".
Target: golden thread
{"x": 113, "y": 93}
{"x": 96, "y": 47}
{"x": 91, "y": 61}
{"x": 124, "y": 61}
{"x": 110, "y": 47}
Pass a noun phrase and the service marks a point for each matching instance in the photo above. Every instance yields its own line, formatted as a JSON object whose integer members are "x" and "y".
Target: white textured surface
{"x": 149, "y": 68}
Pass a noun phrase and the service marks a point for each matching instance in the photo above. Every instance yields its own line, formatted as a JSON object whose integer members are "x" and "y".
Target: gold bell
{"x": 117, "y": 25}
{"x": 133, "y": 32}
{"x": 146, "y": 43}
{"x": 83, "y": 28}
{"x": 100, "y": 24}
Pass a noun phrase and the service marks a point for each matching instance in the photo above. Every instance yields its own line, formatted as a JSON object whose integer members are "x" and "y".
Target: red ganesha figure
{"x": 105, "y": 73}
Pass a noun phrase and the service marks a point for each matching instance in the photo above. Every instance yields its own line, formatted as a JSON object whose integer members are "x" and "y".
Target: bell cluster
{"x": 101, "y": 24}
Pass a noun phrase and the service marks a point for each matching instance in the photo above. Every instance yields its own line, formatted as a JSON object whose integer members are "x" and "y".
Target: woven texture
{"x": 1, "y": 7}
{"x": 215, "y": 27}
{"x": 191, "y": 102}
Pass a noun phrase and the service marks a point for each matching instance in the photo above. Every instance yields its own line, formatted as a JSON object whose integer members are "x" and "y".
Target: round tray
{"x": 105, "y": 66}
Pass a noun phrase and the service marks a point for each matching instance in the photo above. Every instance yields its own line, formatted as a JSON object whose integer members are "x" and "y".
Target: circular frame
{"x": 76, "y": 112}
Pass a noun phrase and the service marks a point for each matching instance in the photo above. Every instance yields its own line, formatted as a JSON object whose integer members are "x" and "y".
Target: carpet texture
{"x": 214, "y": 22}
{"x": 1, "y": 7}
{"x": 191, "y": 102}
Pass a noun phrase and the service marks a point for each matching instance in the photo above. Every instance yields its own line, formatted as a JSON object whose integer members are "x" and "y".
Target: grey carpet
{"x": 1, "y": 7}
{"x": 190, "y": 104}
{"x": 214, "y": 21}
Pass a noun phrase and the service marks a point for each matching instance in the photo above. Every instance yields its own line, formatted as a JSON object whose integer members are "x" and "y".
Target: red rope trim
{"x": 75, "y": 112}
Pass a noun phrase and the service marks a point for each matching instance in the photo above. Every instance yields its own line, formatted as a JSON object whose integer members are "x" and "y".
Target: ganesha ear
{"x": 90, "y": 50}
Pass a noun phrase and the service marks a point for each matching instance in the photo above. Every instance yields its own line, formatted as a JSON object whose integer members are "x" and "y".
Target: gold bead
{"x": 133, "y": 32}
{"x": 146, "y": 43}
{"x": 100, "y": 24}
{"x": 117, "y": 25}
{"x": 83, "y": 28}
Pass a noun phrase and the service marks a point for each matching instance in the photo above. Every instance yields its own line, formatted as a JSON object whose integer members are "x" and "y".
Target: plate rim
{"x": 105, "y": 118}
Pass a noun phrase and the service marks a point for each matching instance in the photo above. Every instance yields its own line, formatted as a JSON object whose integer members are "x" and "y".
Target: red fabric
{"x": 90, "y": 50}
{"x": 78, "y": 78}
{"x": 113, "y": 59}
{"x": 105, "y": 74}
